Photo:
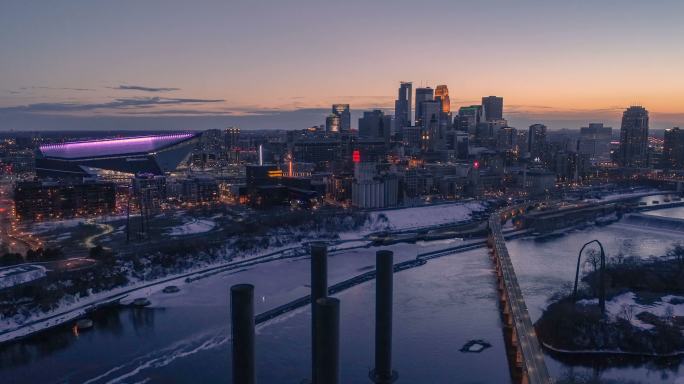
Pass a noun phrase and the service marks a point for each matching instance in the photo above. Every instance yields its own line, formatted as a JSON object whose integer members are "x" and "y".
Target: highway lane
{"x": 532, "y": 357}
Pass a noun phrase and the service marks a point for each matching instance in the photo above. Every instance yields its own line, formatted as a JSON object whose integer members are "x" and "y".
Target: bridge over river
{"x": 525, "y": 356}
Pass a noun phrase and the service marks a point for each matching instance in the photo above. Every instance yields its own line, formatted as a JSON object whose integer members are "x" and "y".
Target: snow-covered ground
{"x": 75, "y": 307}
{"x": 47, "y": 226}
{"x": 417, "y": 217}
{"x": 11, "y": 276}
{"x": 193, "y": 227}
{"x": 624, "y": 195}
{"x": 625, "y": 306}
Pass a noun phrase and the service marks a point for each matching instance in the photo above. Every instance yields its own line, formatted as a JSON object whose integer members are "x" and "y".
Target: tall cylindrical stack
{"x": 242, "y": 320}
{"x": 319, "y": 290}
{"x": 383, "y": 318}
{"x": 327, "y": 359}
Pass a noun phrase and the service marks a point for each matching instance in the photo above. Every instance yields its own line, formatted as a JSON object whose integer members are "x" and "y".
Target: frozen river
{"x": 545, "y": 268}
{"x": 439, "y": 306}
{"x": 182, "y": 337}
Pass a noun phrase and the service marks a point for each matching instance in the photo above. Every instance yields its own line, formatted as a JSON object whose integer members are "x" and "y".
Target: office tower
{"x": 342, "y": 111}
{"x": 673, "y": 149}
{"x": 402, "y": 106}
{"x": 493, "y": 108}
{"x": 506, "y": 138}
{"x": 461, "y": 144}
{"x": 633, "y": 150}
{"x": 430, "y": 116}
{"x": 232, "y": 137}
{"x": 333, "y": 123}
{"x": 444, "y": 118}
{"x": 486, "y": 132}
{"x": 422, "y": 95}
{"x": 468, "y": 118}
{"x": 595, "y": 141}
{"x": 430, "y": 109}
{"x": 442, "y": 94}
{"x": 430, "y": 132}
{"x": 412, "y": 137}
{"x": 376, "y": 125}
{"x": 536, "y": 140}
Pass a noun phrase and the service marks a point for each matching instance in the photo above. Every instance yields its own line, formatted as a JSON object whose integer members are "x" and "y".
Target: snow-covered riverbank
{"x": 76, "y": 307}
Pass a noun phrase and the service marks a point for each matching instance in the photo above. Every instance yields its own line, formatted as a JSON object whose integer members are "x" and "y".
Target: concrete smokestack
{"x": 242, "y": 329}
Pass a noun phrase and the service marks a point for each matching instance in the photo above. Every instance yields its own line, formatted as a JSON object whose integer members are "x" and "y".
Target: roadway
{"x": 533, "y": 365}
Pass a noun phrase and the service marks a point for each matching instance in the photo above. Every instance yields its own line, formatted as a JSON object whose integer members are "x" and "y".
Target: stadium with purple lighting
{"x": 156, "y": 154}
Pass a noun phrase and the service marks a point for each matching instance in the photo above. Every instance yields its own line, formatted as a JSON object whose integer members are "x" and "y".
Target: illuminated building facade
{"x": 332, "y": 123}
{"x": 51, "y": 200}
{"x": 344, "y": 117}
{"x": 536, "y": 140}
{"x": 673, "y": 149}
{"x": 595, "y": 141}
{"x": 442, "y": 94}
{"x": 115, "y": 158}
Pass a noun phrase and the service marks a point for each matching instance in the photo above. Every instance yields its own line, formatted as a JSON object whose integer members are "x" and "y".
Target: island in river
{"x": 644, "y": 310}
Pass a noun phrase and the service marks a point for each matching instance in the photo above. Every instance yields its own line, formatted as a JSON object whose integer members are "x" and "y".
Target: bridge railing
{"x": 528, "y": 354}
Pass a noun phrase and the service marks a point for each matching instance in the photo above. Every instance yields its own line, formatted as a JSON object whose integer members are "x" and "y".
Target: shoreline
{"x": 71, "y": 313}
{"x": 609, "y": 352}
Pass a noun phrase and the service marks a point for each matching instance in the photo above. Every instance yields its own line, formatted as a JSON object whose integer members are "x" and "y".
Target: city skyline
{"x": 89, "y": 66}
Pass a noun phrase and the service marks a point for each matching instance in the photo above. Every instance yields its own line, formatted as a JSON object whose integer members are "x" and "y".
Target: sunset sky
{"x": 280, "y": 64}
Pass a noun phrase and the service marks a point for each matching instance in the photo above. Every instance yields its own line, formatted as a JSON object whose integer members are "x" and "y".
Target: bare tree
{"x": 594, "y": 259}
{"x": 677, "y": 252}
{"x": 626, "y": 312}
{"x": 669, "y": 314}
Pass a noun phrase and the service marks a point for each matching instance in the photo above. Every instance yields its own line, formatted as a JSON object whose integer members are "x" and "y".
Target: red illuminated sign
{"x": 356, "y": 156}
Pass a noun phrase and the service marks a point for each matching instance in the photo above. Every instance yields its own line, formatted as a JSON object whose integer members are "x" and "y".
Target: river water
{"x": 545, "y": 268}
{"x": 182, "y": 337}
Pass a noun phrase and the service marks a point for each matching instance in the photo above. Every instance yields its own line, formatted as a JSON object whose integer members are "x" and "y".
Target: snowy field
{"x": 418, "y": 217}
{"x": 193, "y": 227}
{"x": 626, "y": 306}
{"x": 49, "y": 226}
{"x": 11, "y": 276}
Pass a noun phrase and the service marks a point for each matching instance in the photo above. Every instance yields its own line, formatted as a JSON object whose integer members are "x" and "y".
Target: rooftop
{"x": 109, "y": 147}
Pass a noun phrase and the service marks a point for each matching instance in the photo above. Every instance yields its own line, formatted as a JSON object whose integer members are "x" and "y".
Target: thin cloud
{"x": 117, "y": 104}
{"x": 144, "y": 88}
{"x": 57, "y": 88}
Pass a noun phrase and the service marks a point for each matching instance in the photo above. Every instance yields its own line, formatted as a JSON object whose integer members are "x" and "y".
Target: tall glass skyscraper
{"x": 402, "y": 106}
{"x": 422, "y": 95}
{"x": 442, "y": 92}
{"x": 342, "y": 111}
{"x": 634, "y": 138}
{"x": 493, "y": 108}
{"x": 536, "y": 140}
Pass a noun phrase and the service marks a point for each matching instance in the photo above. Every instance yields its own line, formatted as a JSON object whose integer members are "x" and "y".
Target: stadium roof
{"x": 113, "y": 147}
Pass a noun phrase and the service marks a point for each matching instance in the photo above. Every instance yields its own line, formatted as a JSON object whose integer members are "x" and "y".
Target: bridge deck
{"x": 533, "y": 365}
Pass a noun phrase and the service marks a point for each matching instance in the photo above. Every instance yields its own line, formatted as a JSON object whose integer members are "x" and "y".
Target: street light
{"x": 602, "y": 283}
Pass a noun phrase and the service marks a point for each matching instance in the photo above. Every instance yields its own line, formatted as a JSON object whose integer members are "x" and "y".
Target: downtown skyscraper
{"x": 493, "y": 108}
{"x": 344, "y": 116}
{"x": 673, "y": 149}
{"x": 442, "y": 94}
{"x": 402, "y": 106}
{"x": 633, "y": 150}
{"x": 536, "y": 141}
{"x": 422, "y": 95}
